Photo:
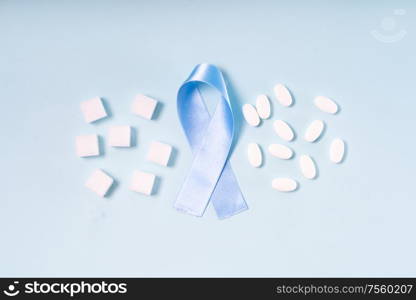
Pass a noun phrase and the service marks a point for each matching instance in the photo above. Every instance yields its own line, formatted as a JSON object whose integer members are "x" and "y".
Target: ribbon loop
{"x": 210, "y": 137}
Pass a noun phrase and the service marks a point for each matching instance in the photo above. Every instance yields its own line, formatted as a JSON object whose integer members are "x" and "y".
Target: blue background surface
{"x": 356, "y": 219}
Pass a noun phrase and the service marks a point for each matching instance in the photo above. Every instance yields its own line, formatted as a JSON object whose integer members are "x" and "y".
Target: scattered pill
{"x": 93, "y": 110}
{"x": 283, "y": 95}
{"x": 284, "y": 184}
{"x": 326, "y": 105}
{"x": 280, "y": 151}
{"x": 255, "y": 156}
{"x": 159, "y": 153}
{"x": 99, "y": 182}
{"x": 119, "y": 136}
{"x": 307, "y": 166}
{"x": 87, "y": 145}
{"x": 144, "y": 106}
{"x": 250, "y": 114}
{"x": 337, "y": 150}
{"x": 142, "y": 182}
{"x": 263, "y": 106}
{"x": 314, "y": 131}
{"x": 283, "y": 130}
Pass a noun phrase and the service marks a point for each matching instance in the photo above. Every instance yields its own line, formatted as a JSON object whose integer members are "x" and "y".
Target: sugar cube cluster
{"x": 120, "y": 136}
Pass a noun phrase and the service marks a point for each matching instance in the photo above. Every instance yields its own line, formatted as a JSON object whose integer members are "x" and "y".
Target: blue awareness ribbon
{"x": 210, "y": 177}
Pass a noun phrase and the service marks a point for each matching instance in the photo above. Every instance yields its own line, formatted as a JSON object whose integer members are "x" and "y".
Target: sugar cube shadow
{"x": 112, "y": 188}
{"x": 107, "y": 109}
{"x": 158, "y": 110}
{"x": 173, "y": 157}
{"x": 156, "y": 186}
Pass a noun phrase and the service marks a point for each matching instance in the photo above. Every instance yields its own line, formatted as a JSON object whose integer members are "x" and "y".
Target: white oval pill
{"x": 337, "y": 150}
{"x": 255, "y": 157}
{"x": 250, "y": 114}
{"x": 283, "y": 130}
{"x": 314, "y": 131}
{"x": 280, "y": 151}
{"x": 325, "y": 104}
{"x": 283, "y": 95}
{"x": 284, "y": 184}
{"x": 307, "y": 166}
{"x": 263, "y": 106}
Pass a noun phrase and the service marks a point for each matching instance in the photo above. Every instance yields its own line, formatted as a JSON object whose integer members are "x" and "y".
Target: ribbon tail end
{"x": 188, "y": 211}
{"x": 233, "y": 213}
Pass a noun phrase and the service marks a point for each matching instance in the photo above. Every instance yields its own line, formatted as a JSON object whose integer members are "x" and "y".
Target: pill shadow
{"x": 295, "y": 134}
{"x": 158, "y": 110}
{"x": 344, "y": 157}
{"x": 322, "y": 135}
{"x": 112, "y": 188}
{"x": 293, "y": 97}
{"x": 316, "y": 168}
{"x": 173, "y": 157}
{"x": 263, "y": 155}
{"x": 107, "y": 109}
{"x": 297, "y": 187}
{"x": 339, "y": 108}
{"x": 156, "y": 186}
{"x": 236, "y": 104}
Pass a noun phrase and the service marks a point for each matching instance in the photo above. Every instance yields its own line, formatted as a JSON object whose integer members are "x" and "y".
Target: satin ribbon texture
{"x": 210, "y": 177}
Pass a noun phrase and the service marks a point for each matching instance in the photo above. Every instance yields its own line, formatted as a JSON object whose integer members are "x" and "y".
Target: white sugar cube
{"x": 144, "y": 106}
{"x": 119, "y": 136}
{"x": 99, "y": 182}
{"x": 93, "y": 109}
{"x": 87, "y": 145}
{"x": 159, "y": 153}
{"x": 142, "y": 182}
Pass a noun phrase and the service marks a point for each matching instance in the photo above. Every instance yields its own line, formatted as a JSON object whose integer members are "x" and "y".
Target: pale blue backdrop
{"x": 355, "y": 219}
